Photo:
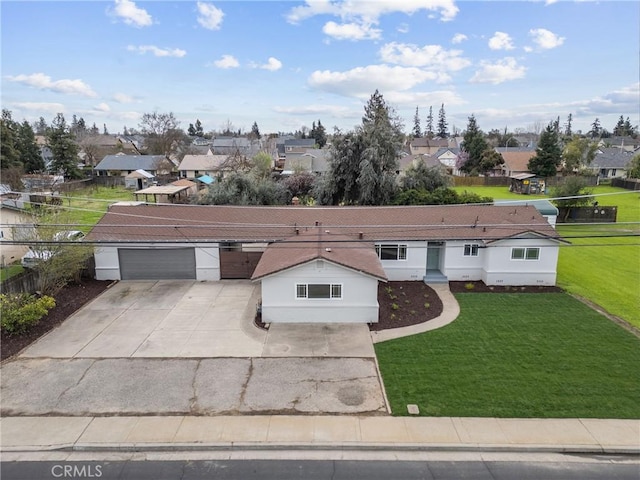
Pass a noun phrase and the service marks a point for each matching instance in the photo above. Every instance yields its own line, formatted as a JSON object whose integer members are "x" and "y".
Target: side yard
{"x": 542, "y": 355}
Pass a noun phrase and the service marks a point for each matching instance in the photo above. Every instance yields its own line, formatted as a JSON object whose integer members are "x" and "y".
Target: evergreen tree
{"x": 319, "y": 134}
{"x": 191, "y": 131}
{"x": 567, "y": 127}
{"x": 417, "y": 131}
{"x": 94, "y": 129}
{"x": 548, "y": 154}
{"x": 475, "y": 145}
{"x": 364, "y": 162}
{"x": 429, "y": 130}
{"x": 9, "y": 153}
{"x": 255, "y": 131}
{"x": 28, "y": 148}
{"x": 199, "y": 130}
{"x": 630, "y": 129}
{"x": 64, "y": 148}
{"x": 596, "y": 129}
{"x": 125, "y": 132}
{"x": 442, "y": 123}
{"x": 104, "y": 129}
{"x": 40, "y": 127}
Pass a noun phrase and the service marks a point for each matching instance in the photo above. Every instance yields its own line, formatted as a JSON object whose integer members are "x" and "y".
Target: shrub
{"x": 22, "y": 311}
{"x": 394, "y": 306}
{"x": 469, "y": 286}
{"x": 427, "y": 305}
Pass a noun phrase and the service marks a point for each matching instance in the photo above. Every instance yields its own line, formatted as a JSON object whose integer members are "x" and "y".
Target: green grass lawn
{"x": 10, "y": 271}
{"x": 603, "y": 270}
{"x": 606, "y": 270}
{"x": 85, "y": 207}
{"x": 516, "y": 355}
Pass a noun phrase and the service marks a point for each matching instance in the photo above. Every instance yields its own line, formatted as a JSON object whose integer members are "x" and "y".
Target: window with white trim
{"x": 319, "y": 290}
{"x": 389, "y": 251}
{"x": 529, "y": 253}
{"x": 471, "y": 250}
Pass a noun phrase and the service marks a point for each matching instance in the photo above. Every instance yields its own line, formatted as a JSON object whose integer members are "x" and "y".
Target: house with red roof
{"x": 330, "y": 257}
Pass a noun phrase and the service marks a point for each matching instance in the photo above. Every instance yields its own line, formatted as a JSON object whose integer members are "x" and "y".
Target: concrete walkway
{"x": 187, "y": 433}
{"x": 450, "y": 311}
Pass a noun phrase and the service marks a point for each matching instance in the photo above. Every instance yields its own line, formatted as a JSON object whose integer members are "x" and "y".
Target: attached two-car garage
{"x": 157, "y": 263}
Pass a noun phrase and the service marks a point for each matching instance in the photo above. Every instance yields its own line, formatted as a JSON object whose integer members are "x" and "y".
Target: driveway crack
{"x": 245, "y": 385}
{"x": 84, "y": 374}
{"x": 193, "y": 401}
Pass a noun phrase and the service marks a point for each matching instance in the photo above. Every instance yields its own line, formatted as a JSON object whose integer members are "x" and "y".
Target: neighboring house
{"x": 311, "y": 277}
{"x": 312, "y": 160}
{"x": 45, "y": 152}
{"x": 611, "y": 162}
{"x": 516, "y": 161}
{"x": 200, "y": 149}
{"x": 195, "y": 166}
{"x": 139, "y": 179}
{"x": 629, "y": 144}
{"x": 501, "y": 245}
{"x": 429, "y": 146}
{"x": 123, "y": 165}
{"x": 231, "y": 146}
{"x": 11, "y": 218}
{"x": 448, "y": 156}
{"x": 406, "y": 161}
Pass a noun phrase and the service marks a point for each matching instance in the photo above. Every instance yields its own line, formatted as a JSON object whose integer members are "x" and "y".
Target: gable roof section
{"x": 202, "y": 162}
{"x": 317, "y": 244}
{"x": 612, "y": 158}
{"x": 130, "y": 162}
{"x": 225, "y": 223}
{"x": 517, "y": 161}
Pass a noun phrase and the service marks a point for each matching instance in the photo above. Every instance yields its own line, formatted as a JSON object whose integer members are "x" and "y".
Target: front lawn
{"x": 516, "y": 355}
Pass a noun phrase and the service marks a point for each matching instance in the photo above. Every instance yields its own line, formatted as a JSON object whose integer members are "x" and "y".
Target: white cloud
{"x": 459, "y": 38}
{"x": 545, "y": 39}
{"x": 131, "y": 14}
{"x": 123, "y": 98}
{"x": 44, "y": 82}
{"x": 429, "y": 56}
{"x": 351, "y": 31}
{"x": 40, "y": 106}
{"x": 361, "y": 81}
{"x": 157, "y": 51}
{"x": 371, "y": 11}
{"x": 499, "y": 72}
{"x": 403, "y": 28}
{"x": 330, "y": 110}
{"x": 227, "y": 61}
{"x": 501, "y": 41}
{"x": 102, "y": 107}
{"x": 411, "y": 99}
{"x": 210, "y": 17}
{"x": 272, "y": 65}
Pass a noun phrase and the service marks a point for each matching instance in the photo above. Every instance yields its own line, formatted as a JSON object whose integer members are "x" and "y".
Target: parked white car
{"x": 34, "y": 256}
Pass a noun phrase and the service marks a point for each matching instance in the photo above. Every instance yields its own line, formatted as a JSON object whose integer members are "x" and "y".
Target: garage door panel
{"x": 157, "y": 263}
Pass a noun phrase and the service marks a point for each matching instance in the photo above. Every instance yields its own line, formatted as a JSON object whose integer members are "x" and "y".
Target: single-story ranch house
{"x": 460, "y": 242}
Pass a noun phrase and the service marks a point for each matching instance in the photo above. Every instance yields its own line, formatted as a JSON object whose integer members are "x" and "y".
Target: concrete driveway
{"x": 190, "y": 348}
{"x": 160, "y": 319}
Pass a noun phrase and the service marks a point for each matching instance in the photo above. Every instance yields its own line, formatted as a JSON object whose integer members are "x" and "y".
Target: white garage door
{"x": 157, "y": 263}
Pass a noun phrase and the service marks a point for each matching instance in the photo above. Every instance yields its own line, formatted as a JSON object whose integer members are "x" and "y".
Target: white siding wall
{"x": 500, "y": 269}
{"x": 413, "y": 268}
{"x": 458, "y": 267}
{"x": 108, "y": 267}
{"x": 359, "y": 302}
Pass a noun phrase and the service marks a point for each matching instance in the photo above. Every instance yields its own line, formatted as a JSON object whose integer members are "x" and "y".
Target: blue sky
{"x": 285, "y": 64}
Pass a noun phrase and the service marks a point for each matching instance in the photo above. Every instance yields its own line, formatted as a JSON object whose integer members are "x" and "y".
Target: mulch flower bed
{"x": 405, "y": 303}
{"x": 68, "y": 300}
{"x": 481, "y": 287}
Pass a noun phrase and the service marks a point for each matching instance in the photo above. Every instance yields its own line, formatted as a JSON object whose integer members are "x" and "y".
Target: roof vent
{"x": 327, "y": 231}
{"x": 360, "y": 235}
{"x": 328, "y": 249}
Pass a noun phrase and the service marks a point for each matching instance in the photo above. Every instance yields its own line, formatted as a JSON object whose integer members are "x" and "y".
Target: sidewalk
{"x": 277, "y": 432}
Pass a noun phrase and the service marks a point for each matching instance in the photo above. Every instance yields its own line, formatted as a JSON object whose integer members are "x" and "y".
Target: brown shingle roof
{"x": 319, "y": 244}
{"x": 217, "y": 223}
{"x": 518, "y": 161}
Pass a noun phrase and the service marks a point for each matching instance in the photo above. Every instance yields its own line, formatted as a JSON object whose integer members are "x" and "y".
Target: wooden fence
{"x": 627, "y": 183}
{"x": 29, "y": 280}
